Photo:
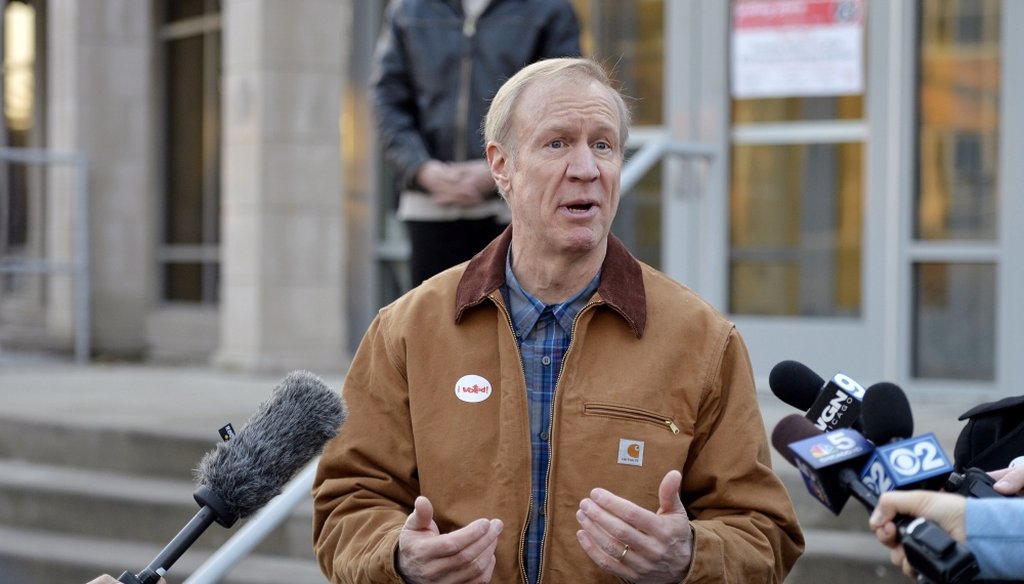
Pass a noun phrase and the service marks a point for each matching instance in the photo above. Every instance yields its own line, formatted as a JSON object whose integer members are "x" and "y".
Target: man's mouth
{"x": 579, "y": 207}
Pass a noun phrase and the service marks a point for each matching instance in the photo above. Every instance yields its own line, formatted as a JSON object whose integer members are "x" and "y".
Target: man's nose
{"x": 583, "y": 165}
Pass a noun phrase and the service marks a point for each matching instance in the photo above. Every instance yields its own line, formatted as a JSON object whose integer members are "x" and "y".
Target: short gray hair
{"x": 498, "y": 123}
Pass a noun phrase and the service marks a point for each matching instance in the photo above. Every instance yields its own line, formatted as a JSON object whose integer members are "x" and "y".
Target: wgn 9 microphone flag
{"x": 242, "y": 475}
{"x": 828, "y": 404}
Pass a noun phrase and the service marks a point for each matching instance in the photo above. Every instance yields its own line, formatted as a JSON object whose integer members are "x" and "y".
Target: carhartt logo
{"x": 631, "y": 452}
{"x": 472, "y": 389}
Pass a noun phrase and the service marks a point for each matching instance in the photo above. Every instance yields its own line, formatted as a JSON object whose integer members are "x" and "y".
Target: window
{"x": 188, "y": 254}
{"x": 956, "y": 206}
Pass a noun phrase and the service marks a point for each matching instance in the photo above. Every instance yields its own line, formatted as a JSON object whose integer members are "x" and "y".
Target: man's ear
{"x": 498, "y": 160}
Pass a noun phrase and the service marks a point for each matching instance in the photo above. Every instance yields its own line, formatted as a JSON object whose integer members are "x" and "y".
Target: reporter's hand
{"x": 946, "y": 509}
{"x": 1010, "y": 480}
{"x": 464, "y": 555}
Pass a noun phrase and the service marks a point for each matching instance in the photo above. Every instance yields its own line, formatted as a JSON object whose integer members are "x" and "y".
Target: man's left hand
{"x": 634, "y": 543}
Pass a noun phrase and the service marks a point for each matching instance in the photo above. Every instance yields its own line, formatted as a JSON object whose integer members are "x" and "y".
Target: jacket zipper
{"x": 617, "y": 411}
{"x": 551, "y": 438}
{"x": 529, "y": 506}
{"x": 462, "y": 107}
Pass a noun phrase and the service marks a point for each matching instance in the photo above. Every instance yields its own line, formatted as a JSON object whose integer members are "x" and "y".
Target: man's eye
{"x": 557, "y": 143}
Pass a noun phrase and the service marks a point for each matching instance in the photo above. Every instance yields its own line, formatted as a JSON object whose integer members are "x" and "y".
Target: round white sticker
{"x": 472, "y": 389}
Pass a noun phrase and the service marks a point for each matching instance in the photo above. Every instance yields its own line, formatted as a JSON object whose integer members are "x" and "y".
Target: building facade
{"x": 851, "y": 206}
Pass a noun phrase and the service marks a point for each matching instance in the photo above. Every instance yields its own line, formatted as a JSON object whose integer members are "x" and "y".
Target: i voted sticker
{"x": 472, "y": 389}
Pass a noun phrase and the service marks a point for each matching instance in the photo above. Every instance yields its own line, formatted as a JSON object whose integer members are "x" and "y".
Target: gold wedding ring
{"x": 623, "y": 556}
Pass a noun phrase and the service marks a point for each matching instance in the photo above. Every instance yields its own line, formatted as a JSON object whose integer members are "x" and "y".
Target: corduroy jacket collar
{"x": 621, "y": 288}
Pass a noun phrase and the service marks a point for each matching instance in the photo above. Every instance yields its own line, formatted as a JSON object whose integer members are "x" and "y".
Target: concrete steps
{"x": 77, "y": 501}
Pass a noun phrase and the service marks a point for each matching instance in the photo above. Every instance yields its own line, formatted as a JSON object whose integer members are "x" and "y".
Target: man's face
{"x": 562, "y": 183}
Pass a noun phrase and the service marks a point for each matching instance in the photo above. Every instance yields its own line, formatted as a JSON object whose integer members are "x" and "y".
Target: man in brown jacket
{"x": 553, "y": 410}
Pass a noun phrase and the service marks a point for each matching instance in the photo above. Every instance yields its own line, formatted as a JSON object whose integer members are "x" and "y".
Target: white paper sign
{"x": 789, "y": 48}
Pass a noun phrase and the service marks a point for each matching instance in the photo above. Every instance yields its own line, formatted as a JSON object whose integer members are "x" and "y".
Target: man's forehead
{"x": 579, "y": 97}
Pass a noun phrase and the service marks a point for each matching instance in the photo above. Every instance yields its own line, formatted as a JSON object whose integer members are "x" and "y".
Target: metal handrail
{"x": 652, "y": 151}
{"x": 78, "y": 267}
{"x": 299, "y": 489}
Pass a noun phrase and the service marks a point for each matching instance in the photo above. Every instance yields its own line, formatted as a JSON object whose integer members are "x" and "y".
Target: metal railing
{"x": 651, "y": 151}
{"x": 241, "y": 544}
{"x": 78, "y": 267}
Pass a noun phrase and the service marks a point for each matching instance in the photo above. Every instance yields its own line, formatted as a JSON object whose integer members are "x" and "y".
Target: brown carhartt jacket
{"x": 654, "y": 379}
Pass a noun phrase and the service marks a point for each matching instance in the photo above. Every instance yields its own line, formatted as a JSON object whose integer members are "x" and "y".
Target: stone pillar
{"x": 282, "y": 301}
{"x": 100, "y": 104}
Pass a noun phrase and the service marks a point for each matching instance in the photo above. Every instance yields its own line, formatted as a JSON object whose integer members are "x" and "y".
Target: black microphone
{"x": 829, "y": 404}
{"x": 885, "y": 413}
{"x": 900, "y": 460}
{"x": 795, "y": 384}
{"x": 827, "y": 462}
{"x": 242, "y": 475}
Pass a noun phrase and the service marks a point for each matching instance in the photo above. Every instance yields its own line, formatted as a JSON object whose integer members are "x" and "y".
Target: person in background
{"x": 553, "y": 410}
{"x": 436, "y": 68}
{"x": 992, "y": 528}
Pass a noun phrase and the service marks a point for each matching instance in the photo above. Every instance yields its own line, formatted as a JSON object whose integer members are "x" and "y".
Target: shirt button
{"x": 545, "y": 360}
{"x": 544, "y": 435}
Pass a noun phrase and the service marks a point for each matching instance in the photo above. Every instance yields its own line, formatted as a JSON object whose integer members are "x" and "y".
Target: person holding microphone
{"x": 992, "y": 528}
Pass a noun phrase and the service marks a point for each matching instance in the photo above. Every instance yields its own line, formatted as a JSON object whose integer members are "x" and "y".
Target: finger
{"x": 460, "y": 555}
{"x": 475, "y": 563}
{"x": 422, "y": 515}
{"x": 631, "y": 523}
{"x": 1010, "y": 480}
{"x": 887, "y": 535}
{"x": 599, "y": 555}
{"x": 668, "y": 493}
{"x": 597, "y": 536}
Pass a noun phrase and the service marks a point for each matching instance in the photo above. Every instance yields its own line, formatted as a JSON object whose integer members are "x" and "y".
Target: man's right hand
{"x": 464, "y": 555}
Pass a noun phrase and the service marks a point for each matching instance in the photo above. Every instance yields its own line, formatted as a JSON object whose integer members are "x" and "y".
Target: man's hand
{"x": 634, "y": 543}
{"x": 464, "y": 555}
{"x": 946, "y": 509}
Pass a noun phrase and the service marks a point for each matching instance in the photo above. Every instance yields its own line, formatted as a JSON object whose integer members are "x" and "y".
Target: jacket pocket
{"x": 621, "y": 412}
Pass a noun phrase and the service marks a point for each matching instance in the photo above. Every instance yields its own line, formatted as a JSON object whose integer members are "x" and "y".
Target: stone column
{"x": 100, "y": 104}
{"x": 282, "y": 242}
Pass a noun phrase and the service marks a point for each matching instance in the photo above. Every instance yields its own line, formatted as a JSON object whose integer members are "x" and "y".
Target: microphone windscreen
{"x": 885, "y": 414}
{"x": 790, "y": 429}
{"x": 795, "y": 384}
{"x": 283, "y": 435}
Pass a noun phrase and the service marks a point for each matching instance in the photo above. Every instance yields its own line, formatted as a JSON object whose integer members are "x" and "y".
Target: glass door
{"x": 857, "y": 217}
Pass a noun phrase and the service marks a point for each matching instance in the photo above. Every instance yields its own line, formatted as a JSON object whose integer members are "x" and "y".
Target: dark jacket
{"x": 435, "y": 75}
{"x": 650, "y": 364}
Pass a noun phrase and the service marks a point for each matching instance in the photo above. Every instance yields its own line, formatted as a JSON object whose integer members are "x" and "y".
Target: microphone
{"x": 242, "y": 475}
{"x": 830, "y": 405}
{"x": 827, "y": 462}
{"x": 900, "y": 461}
{"x": 795, "y": 384}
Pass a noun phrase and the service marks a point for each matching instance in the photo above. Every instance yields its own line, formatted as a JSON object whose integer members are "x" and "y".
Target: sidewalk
{"x": 176, "y": 400}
